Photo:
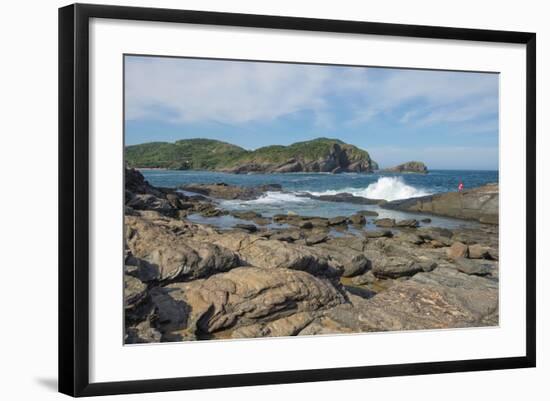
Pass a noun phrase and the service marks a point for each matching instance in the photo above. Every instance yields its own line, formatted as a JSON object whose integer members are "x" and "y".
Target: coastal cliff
{"x": 318, "y": 155}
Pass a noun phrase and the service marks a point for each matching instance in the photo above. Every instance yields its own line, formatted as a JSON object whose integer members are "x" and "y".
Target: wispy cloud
{"x": 447, "y": 119}
{"x": 190, "y": 90}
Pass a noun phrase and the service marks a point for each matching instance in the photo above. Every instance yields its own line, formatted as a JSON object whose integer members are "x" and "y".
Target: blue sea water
{"x": 374, "y": 186}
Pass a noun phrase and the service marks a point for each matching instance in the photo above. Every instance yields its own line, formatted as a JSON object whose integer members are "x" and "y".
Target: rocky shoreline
{"x": 189, "y": 281}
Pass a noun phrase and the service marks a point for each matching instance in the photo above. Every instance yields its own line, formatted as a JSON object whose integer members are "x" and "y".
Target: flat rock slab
{"x": 441, "y": 299}
{"x": 479, "y": 204}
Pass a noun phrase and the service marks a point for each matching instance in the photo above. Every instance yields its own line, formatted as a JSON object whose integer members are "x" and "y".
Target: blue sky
{"x": 446, "y": 119}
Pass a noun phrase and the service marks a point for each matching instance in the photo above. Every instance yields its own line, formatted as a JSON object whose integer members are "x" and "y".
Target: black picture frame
{"x": 74, "y": 200}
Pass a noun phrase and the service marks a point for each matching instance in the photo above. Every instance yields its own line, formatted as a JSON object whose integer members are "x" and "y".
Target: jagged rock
{"x": 286, "y": 326}
{"x": 241, "y": 297}
{"x": 441, "y": 235}
{"x": 291, "y": 166}
{"x": 271, "y": 254}
{"x": 142, "y": 333}
{"x": 134, "y": 291}
{"x": 457, "y": 250}
{"x": 441, "y": 299}
{"x": 152, "y": 202}
{"x": 174, "y": 256}
{"x": 316, "y": 238}
{"x": 345, "y": 254}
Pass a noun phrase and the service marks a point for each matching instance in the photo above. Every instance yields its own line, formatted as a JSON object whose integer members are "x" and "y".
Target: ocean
{"x": 374, "y": 186}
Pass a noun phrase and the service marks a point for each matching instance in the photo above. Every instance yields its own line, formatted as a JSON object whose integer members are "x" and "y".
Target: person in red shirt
{"x": 460, "y": 186}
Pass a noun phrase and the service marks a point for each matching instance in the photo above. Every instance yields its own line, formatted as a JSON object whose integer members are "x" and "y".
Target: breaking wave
{"x": 387, "y": 188}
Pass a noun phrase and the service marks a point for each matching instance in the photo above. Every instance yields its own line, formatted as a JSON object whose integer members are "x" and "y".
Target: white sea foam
{"x": 387, "y": 188}
{"x": 270, "y": 198}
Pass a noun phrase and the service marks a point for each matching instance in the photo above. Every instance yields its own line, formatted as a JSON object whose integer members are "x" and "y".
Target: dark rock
{"x": 316, "y": 238}
{"x": 251, "y": 228}
{"x": 344, "y": 197}
{"x": 261, "y": 221}
{"x": 384, "y": 222}
{"x": 225, "y": 191}
{"x": 477, "y": 267}
{"x": 290, "y": 167}
{"x": 409, "y": 167}
{"x": 142, "y": 333}
{"x": 357, "y": 219}
{"x": 441, "y": 235}
{"x": 411, "y": 223}
{"x": 335, "y": 221}
{"x": 393, "y": 267}
{"x": 245, "y": 215}
{"x": 378, "y": 234}
{"x": 358, "y": 264}
{"x": 134, "y": 292}
{"x": 369, "y": 213}
{"x": 287, "y": 236}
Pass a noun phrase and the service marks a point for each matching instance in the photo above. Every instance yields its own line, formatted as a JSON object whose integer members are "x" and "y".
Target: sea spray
{"x": 391, "y": 188}
{"x": 387, "y": 188}
{"x": 271, "y": 198}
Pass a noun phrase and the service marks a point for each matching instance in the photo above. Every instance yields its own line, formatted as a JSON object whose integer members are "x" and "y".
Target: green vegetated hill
{"x": 318, "y": 155}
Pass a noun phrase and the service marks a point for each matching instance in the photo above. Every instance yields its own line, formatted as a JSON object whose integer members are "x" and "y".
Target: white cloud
{"x": 188, "y": 90}
{"x": 430, "y": 97}
{"x": 195, "y": 90}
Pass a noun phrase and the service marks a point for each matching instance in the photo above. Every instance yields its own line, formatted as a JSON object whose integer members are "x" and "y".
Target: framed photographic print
{"x": 266, "y": 197}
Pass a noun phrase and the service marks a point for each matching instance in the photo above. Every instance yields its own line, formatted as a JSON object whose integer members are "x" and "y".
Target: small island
{"x": 321, "y": 155}
{"x": 408, "y": 167}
